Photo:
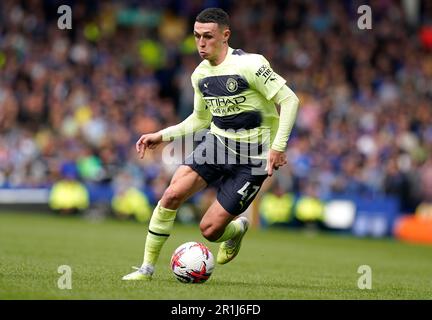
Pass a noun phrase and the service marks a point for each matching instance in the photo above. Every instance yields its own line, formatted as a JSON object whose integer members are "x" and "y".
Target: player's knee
{"x": 210, "y": 232}
{"x": 171, "y": 198}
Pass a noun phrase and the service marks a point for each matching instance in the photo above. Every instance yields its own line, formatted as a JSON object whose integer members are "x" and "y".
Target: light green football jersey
{"x": 238, "y": 93}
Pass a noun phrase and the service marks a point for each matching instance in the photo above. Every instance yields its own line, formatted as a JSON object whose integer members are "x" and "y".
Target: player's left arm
{"x": 273, "y": 87}
{"x": 289, "y": 103}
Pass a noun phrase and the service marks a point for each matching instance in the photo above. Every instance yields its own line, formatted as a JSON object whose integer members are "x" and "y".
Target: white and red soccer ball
{"x": 192, "y": 262}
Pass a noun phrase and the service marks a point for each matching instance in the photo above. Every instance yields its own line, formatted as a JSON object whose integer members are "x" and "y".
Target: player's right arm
{"x": 199, "y": 119}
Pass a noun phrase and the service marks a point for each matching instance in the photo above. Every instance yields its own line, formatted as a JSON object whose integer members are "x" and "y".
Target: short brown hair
{"x": 216, "y": 15}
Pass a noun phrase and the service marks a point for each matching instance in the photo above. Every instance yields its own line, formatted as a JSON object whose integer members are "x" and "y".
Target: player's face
{"x": 210, "y": 39}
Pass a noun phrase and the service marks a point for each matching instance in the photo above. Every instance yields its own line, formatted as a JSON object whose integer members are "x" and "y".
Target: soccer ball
{"x": 192, "y": 262}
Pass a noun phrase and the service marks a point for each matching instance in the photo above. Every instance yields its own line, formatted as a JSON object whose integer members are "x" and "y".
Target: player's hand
{"x": 275, "y": 159}
{"x": 151, "y": 141}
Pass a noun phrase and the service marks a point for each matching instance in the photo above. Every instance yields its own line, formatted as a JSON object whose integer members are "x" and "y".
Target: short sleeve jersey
{"x": 238, "y": 93}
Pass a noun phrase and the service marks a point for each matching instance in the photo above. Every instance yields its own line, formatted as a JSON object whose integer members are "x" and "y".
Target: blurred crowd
{"x": 74, "y": 102}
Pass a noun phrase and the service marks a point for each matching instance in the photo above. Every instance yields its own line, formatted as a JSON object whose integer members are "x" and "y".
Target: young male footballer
{"x": 236, "y": 95}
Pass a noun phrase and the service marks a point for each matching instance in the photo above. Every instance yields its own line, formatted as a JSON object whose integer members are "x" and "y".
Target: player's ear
{"x": 226, "y": 35}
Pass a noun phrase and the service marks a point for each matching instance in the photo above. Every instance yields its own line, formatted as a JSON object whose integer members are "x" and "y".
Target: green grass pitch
{"x": 273, "y": 264}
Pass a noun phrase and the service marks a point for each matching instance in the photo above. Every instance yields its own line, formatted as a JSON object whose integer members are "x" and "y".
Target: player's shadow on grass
{"x": 225, "y": 283}
{"x": 251, "y": 284}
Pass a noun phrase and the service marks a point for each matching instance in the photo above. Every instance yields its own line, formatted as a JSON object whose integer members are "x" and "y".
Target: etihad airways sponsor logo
{"x": 224, "y": 102}
{"x": 225, "y": 111}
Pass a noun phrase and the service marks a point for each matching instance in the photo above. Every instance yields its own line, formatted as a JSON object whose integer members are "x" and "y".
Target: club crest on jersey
{"x": 231, "y": 85}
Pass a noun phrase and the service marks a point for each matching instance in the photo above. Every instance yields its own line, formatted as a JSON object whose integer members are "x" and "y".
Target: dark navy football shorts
{"x": 238, "y": 177}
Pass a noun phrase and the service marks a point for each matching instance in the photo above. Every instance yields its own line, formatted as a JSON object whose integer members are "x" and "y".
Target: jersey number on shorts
{"x": 246, "y": 193}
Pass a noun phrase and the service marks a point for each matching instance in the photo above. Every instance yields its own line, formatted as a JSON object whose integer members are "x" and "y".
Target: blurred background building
{"x": 74, "y": 102}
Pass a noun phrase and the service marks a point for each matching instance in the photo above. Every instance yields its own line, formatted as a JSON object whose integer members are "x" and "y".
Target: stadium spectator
{"x": 68, "y": 195}
{"x": 128, "y": 200}
{"x": 276, "y": 206}
{"x": 309, "y": 208}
